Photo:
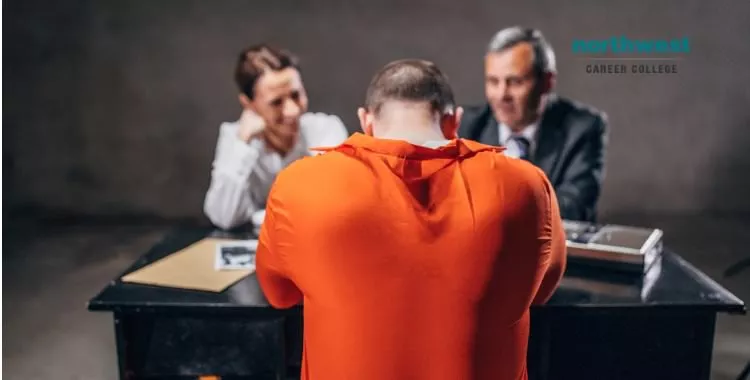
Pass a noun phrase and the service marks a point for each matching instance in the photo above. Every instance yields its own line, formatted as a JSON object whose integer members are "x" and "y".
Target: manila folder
{"x": 190, "y": 268}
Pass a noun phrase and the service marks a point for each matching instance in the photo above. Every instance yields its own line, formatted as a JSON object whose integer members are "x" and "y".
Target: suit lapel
{"x": 551, "y": 134}
{"x": 490, "y": 132}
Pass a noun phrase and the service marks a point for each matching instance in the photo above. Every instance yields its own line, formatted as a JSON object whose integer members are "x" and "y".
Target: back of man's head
{"x": 409, "y": 94}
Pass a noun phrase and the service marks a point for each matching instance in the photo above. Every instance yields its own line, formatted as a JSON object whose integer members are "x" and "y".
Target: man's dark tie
{"x": 524, "y": 145}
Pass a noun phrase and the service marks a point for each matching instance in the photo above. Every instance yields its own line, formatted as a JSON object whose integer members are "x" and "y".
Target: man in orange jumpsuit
{"x": 416, "y": 255}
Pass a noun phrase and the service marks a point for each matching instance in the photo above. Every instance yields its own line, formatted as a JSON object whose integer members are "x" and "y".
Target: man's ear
{"x": 548, "y": 82}
{"x": 450, "y": 123}
{"x": 365, "y": 121}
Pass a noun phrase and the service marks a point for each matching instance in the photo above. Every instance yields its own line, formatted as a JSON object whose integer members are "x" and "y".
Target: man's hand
{"x": 251, "y": 125}
{"x": 281, "y": 138}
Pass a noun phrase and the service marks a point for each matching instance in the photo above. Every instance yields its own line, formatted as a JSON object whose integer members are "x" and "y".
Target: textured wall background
{"x": 113, "y": 107}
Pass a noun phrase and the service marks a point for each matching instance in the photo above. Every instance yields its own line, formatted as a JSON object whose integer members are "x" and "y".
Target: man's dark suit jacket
{"x": 570, "y": 144}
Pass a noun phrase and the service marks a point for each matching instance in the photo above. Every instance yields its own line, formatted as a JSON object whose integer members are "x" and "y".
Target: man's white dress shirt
{"x": 512, "y": 147}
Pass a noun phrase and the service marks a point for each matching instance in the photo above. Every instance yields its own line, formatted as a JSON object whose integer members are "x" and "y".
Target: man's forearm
{"x": 271, "y": 268}
{"x": 557, "y": 253}
{"x": 570, "y": 208}
{"x": 578, "y": 191}
{"x": 578, "y": 199}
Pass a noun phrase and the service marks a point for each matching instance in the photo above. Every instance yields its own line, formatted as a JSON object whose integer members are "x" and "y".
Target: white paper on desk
{"x": 236, "y": 255}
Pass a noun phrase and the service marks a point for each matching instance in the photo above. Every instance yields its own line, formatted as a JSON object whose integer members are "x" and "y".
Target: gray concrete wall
{"x": 113, "y": 107}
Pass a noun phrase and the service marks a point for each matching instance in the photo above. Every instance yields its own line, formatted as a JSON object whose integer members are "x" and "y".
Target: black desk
{"x": 592, "y": 328}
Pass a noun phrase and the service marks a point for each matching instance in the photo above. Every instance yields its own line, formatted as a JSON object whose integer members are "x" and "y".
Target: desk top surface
{"x": 672, "y": 283}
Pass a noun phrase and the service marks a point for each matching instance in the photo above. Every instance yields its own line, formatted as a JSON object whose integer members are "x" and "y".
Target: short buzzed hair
{"x": 256, "y": 60}
{"x": 412, "y": 80}
{"x": 544, "y": 55}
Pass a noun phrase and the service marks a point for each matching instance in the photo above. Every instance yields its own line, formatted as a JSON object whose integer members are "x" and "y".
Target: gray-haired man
{"x": 567, "y": 140}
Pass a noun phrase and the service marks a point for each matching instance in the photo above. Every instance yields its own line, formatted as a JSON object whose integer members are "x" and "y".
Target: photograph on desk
{"x": 236, "y": 255}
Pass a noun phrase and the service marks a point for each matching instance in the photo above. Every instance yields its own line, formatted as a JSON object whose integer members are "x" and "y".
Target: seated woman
{"x": 273, "y": 131}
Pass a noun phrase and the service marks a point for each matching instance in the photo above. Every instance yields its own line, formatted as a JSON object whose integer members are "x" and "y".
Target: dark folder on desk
{"x": 190, "y": 268}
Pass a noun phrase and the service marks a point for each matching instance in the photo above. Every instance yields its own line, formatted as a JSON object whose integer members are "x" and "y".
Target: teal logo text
{"x": 625, "y": 45}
